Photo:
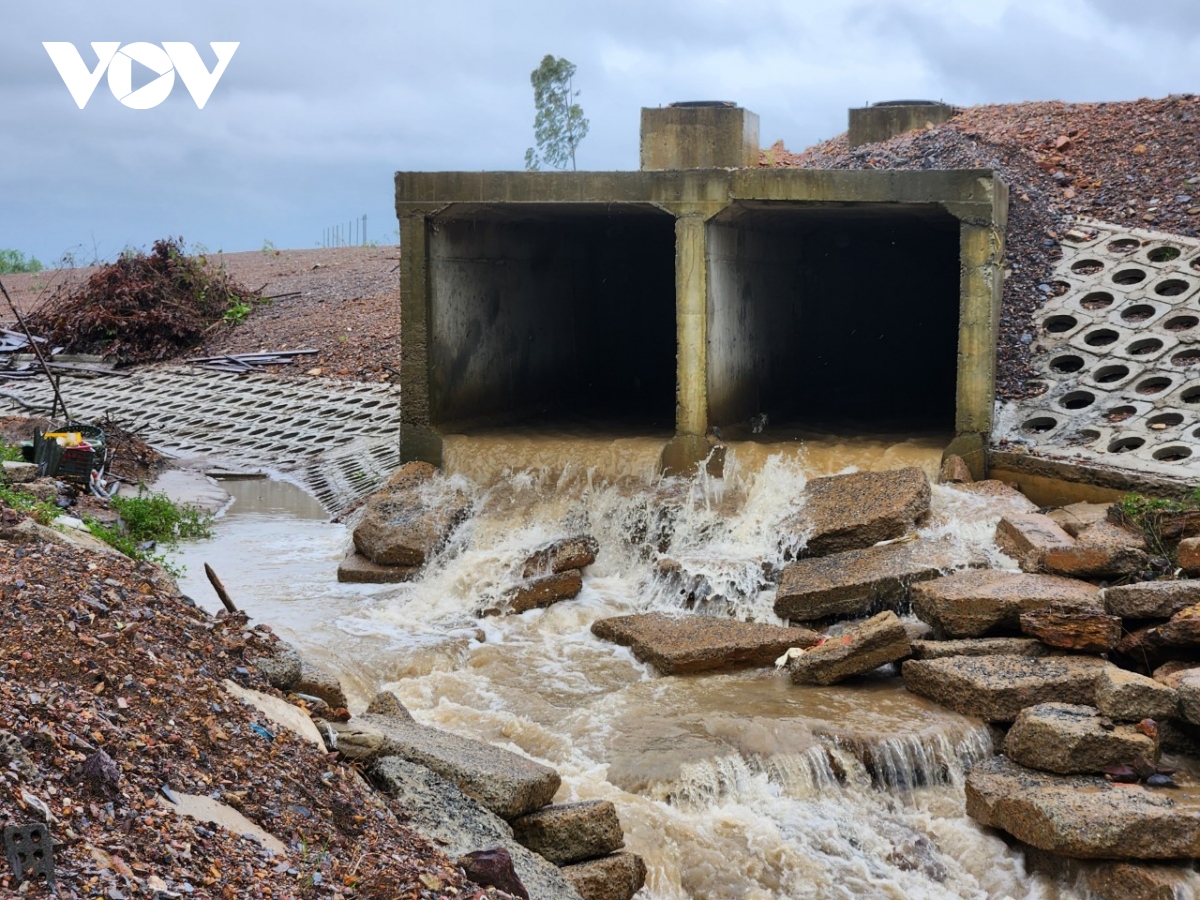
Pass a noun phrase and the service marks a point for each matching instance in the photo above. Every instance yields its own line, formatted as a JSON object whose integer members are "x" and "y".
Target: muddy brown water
{"x": 731, "y": 786}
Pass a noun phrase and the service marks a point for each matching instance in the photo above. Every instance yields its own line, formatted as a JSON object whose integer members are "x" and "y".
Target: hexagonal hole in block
{"x": 1172, "y": 287}
{"x": 1154, "y": 385}
{"x": 1139, "y": 312}
{"x": 1181, "y": 323}
{"x": 1060, "y": 324}
{"x": 1126, "y": 444}
{"x": 1066, "y": 364}
{"x": 1163, "y": 253}
{"x": 1101, "y": 337}
{"x": 1077, "y": 400}
{"x": 1120, "y": 413}
{"x": 1189, "y": 357}
{"x": 1087, "y": 267}
{"x": 1096, "y": 300}
{"x": 1129, "y": 276}
{"x": 1039, "y": 425}
{"x": 1145, "y": 346}
{"x": 1163, "y": 421}
{"x": 1111, "y": 374}
{"x": 1124, "y": 245}
{"x": 1172, "y": 453}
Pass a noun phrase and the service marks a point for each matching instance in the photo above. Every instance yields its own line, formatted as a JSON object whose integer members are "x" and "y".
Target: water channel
{"x": 730, "y": 786}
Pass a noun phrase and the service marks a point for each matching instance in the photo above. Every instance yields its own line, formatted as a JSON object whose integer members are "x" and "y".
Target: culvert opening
{"x": 552, "y": 314}
{"x": 827, "y": 315}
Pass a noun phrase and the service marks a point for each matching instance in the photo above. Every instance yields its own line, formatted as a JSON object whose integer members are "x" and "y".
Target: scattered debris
{"x": 240, "y": 363}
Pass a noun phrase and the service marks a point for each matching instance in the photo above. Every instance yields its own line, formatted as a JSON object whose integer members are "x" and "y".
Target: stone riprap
{"x": 858, "y": 649}
{"x": 1073, "y": 740}
{"x": 681, "y": 645}
{"x": 975, "y": 602}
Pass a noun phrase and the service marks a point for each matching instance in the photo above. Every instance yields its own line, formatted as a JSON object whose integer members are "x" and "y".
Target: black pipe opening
{"x": 834, "y": 316}
{"x": 552, "y": 313}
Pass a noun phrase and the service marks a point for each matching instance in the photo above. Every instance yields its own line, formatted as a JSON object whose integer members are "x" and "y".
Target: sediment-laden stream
{"x": 730, "y": 786}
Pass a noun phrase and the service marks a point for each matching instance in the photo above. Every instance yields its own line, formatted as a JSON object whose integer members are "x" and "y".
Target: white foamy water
{"x": 730, "y": 786}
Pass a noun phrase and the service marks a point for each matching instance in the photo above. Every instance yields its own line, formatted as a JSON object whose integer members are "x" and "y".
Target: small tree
{"x": 559, "y": 125}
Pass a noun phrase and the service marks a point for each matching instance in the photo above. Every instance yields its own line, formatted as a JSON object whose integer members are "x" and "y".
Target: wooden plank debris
{"x": 241, "y": 363}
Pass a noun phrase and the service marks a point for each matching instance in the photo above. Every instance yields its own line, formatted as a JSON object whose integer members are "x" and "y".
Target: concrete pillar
{"x": 417, "y": 439}
{"x": 871, "y": 124}
{"x": 981, "y": 256}
{"x": 699, "y": 136}
{"x": 689, "y": 446}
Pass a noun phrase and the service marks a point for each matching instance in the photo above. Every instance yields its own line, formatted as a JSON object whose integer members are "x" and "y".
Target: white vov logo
{"x": 171, "y": 57}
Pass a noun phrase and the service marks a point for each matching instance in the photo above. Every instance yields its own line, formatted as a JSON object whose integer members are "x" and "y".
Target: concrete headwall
{"x": 717, "y": 289}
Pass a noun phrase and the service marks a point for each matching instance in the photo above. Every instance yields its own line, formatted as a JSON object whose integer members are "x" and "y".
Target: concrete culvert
{"x": 832, "y": 314}
{"x": 553, "y": 312}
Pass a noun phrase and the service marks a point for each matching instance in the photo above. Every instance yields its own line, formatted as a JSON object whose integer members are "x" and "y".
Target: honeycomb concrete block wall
{"x": 1118, "y": 354}
{"x": 339, "y": 440}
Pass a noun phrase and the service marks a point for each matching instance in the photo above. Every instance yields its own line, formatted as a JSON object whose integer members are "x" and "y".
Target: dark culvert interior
{"x": 560, "y": 314}
{"x": 833, "y": 317}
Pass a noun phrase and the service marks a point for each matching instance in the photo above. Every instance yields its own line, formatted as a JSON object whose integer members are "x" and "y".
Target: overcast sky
{"x": 322, "y": 102}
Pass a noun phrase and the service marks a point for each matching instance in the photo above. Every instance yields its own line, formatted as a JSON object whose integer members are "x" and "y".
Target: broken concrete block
{"x": 1077, "y": 516}
{"x": 856, "y": 582}
{"x": 857, "y": 650}
{"x": 570, "y": 832}
{"x": 1029, "y": 537}
{"x": 18, "y": 472}
{"x": 542, "y": 591}
{"x": 1073, "y": 740}
{"x": 1129, "y": 697}
{"x": 1103, "y": 550}
{"x": 976, "y": 601}
{"x": 1151, "y": 599}
{"x": 1089, "y": 631}
{"x": 577, "y": 552}
{"x": 678, "y": 645}
{"x": 997, "y": 688}
{"x": 849, "y": 512}
{"x": 615, "y": 877}
{"x": 410, "y": 518}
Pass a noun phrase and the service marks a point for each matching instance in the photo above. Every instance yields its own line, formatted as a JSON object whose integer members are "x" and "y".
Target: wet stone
{"x": 994, "y": 646}
{"x": 410, "y": 518}
{"x": 1151, "y": 599}
{"x": 998, "y": 490}
{"x": 357, "y": 569}
{"x": 858, "y": 649}
{"x": 849, "y": 512}
{"x": 1075, "y": 517}
{"x": 1028, "y": 538}
{"x": 954, "y": 470}
{"x": 1189, "y": 555}
{"x": 320, "y": 682}
{"x": 1073, "y": 740}
{"x": 571, "y": 832}
{"x": 1084, "y": 816}
{"x": 458, "y": 825}
{"x": 856, "y": 582}
{"x": 677, "y": 645}
{"x": 577, "y": 552}
{"x": 1130, "y": 697}
{"x": 1103, "y": 550}
{"x": 615, "y": 877}
{"x": 1067, "y": 629}
{"x": 542, "y": 591}
{"x": 506, "y": 783}
{"x": 997, "y": 688}
{"x": 974, "y": 602}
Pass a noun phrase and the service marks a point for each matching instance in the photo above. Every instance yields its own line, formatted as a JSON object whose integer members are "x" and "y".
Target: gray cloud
{"x": 323, "y": 102}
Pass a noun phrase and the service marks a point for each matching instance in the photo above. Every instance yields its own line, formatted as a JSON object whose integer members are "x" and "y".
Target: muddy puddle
{"x": 731, "y": 786}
